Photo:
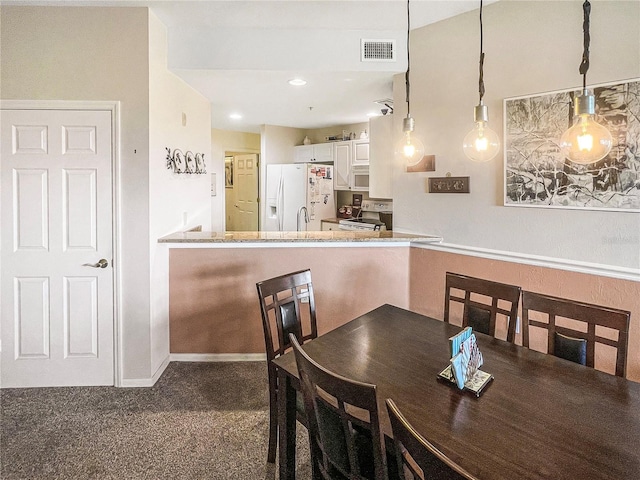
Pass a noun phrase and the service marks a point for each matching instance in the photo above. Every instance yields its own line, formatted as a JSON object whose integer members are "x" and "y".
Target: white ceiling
{"x": 241, "y": 54}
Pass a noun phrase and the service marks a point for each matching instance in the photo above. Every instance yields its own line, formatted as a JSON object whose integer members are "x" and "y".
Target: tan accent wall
{"x": 427, "y": 278}
{"x": 213, "y": 304}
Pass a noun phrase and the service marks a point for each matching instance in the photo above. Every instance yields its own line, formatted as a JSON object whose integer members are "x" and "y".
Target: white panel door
{"x": 246, "y": 185}
{"x": 57, "y": 280}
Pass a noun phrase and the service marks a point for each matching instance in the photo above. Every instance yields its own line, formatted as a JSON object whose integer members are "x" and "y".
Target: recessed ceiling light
{"x": 235, "y": 116}
{"x": 297, "y": 82}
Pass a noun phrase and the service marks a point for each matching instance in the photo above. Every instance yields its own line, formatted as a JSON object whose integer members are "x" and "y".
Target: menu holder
{"x": 463, "y": 369}
{"x": 475, "y": 385}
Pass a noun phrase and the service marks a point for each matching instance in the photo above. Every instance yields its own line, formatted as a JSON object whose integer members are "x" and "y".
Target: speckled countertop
{"x": 274, "y": 237}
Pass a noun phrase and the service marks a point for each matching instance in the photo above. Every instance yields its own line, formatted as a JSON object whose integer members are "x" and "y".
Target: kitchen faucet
{"x": 306, "y": 217}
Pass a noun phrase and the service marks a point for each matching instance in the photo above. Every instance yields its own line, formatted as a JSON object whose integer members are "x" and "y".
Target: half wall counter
{"x": 288, "y": 237}
{"x": 213, "y": 308}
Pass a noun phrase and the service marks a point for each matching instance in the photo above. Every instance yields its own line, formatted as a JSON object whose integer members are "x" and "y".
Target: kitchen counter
{"x": 293, "y": 237}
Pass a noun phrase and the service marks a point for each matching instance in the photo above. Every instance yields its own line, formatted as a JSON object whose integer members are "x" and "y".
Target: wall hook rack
{"x": 187, "y": 162}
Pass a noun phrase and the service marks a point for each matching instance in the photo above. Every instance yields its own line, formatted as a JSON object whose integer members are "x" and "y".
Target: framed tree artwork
{"x": 536, "y": 173}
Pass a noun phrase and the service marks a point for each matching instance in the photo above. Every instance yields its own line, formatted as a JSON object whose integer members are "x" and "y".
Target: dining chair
{"x": 345, "y": 438}
{"x": 483, "y": 300}
{"x": 417, "y": 456}
{"x": 287, "y": 305}
{"x": 577, "y": 345}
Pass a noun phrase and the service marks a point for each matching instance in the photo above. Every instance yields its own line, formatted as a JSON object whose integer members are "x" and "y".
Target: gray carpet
{"x": 200, "y": 421}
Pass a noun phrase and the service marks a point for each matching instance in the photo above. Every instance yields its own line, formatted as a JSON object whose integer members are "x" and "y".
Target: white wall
{"x": 530, "y": 47}
{"x": 179, "y": 117}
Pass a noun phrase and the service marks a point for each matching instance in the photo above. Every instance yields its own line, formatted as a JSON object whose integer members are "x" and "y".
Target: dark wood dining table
{"x": 541, "y": 417}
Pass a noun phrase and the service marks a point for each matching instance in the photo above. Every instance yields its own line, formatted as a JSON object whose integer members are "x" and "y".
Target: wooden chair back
{"x": 344, "y": 443}
{"x": 418, "y": 456}
{"x": 592, "y": 316}
{"x": 287, "y": 305}
{"x": 481, "y": 299}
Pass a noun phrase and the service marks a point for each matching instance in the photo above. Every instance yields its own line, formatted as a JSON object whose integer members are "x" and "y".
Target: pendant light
{"x": 586, "y": 141}
{"x": 410, "y": 149}
{"x": 481, "y": 144}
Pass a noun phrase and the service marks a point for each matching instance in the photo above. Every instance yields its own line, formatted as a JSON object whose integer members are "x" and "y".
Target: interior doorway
{"x": 57, "y": 219}
{"x": 242, "y": 192}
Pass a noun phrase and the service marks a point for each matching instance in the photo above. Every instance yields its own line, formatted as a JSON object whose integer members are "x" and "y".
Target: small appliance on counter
{"x": 370, "y": 217}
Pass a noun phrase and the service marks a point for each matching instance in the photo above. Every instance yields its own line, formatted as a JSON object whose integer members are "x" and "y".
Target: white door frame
{"x": 114, "y": 108}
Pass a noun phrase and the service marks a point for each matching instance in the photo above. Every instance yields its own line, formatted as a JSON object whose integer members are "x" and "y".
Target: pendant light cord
{"x": 584, "y": 65}
{"x": 481, "y": 77}
{"x": 406, "y": 76}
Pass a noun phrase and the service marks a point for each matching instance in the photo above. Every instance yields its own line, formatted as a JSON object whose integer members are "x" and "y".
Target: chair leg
{"x": 273, "y": 427}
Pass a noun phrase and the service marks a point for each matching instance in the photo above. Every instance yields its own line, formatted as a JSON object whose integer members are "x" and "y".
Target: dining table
{"x": 541, "y": 417}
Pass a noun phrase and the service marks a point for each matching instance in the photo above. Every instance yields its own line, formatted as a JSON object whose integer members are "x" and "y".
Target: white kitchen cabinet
{"x": 360, "y": 153}
{"x": 381, "y": 157}
{"x": 342, "y": 165}
{"x": 351, "y": 162}
{"x": 316, "y": 153}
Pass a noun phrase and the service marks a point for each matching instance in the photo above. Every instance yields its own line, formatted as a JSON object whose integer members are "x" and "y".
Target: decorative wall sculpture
{"x": 187, "y": 162}
{"x": 536, "y": 173}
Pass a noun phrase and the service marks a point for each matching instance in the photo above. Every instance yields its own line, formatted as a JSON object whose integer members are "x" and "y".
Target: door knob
{"x": 102, "y": 263}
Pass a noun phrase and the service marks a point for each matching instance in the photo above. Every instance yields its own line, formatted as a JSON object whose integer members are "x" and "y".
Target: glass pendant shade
{"x": 586, "y": 141}
{"x": 481, "y": 144}
{"x": 409, "y": 149}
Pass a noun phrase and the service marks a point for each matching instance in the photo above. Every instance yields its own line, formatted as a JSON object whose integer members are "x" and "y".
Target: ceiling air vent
{"x": 377, "y": 50}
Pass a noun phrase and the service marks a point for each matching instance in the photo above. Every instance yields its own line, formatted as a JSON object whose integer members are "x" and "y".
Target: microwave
{"x": 360, "y": 178}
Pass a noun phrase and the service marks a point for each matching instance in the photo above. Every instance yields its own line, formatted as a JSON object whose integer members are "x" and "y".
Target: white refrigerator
{"x": 291, "y": 186}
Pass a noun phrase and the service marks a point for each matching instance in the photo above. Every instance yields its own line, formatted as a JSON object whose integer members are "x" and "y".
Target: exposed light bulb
{"x": 481, "y": 144}
{"x": 410, "y": 149}
{"x": 586, "y": 141}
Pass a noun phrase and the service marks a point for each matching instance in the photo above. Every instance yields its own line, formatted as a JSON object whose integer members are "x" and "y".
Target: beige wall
{"x": 276, "y": 147}
{"x": 213, "y": 300}
{"x": 317, "y": 135}
{"x": 427, "y": 278}
{"x": 223, "y": 141}
{"x": 172, "y": 196}
{"x": 530, "y": 47}
{"x": 56, "y": 53}
{"x": 93, "y": 53}
{"x": 214, "y": 305}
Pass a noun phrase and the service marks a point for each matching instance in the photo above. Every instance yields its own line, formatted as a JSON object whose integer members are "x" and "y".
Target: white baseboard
{"x": 218, "y": 357}
{"x": 146, "y": 382}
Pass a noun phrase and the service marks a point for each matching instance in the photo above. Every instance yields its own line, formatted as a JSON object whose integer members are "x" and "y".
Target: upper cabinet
{"x": 381, "y": 156}
{"x": 351, "y": 165}
{"x": 317, "y": 153}
{"x": 360, "y": 152}
{"x": 342, "y": 165}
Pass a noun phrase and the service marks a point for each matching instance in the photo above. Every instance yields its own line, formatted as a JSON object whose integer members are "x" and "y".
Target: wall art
{"x": 427, "y": 164}
{"x": 187, "y": 162}
{"x": 537, "y": 175}
{"x": 449, "y": 184}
